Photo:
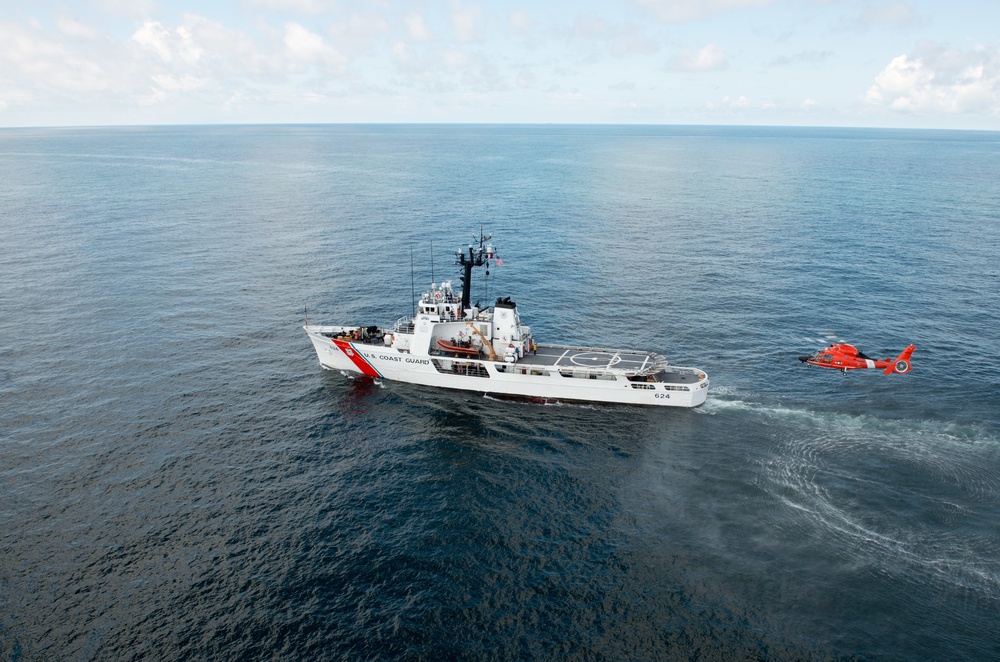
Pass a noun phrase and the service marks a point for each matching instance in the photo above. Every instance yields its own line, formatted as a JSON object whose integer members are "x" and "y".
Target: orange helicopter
{"x": 844, "y": 357}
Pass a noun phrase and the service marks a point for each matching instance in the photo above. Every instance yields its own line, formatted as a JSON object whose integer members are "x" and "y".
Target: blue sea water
{"x": 180, "y": 479}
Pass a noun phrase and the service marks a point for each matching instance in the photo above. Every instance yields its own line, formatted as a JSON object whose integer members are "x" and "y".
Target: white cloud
{"x": 360, "y": 32}
{"x": 305, "y": 47}
{"x": 295, "y": 6}
{"x": 401, "y": 53}
{"x": 940, "y": 79}
{"x": 678, "y": 11}
{"x": 460, "y": 58}
{"x": 417, "y": 28}
{"x": 737, "y": 103}
{"x": 171, "y": 45}
{"x": 74, "y": 28}
{"x": 208, "y": 50}
{"x": 34, "y": 66}
{"x": 465, "y": 20}
{"x": 132, "y": 8}
{"x": 170, "y": 83}
{"x": 619, "y": 39}
{"x": 199, "y": 62}
{"x": 520, "y": 21}
{"x": 708, "y": 58}
{"x": 454, "y": 59}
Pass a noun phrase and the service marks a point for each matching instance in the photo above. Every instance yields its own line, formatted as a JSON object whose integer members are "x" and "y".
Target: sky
{"x": 875, "y": 63}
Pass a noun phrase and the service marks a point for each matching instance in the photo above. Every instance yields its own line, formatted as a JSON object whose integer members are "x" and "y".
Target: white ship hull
{"x": 562, "y": 374}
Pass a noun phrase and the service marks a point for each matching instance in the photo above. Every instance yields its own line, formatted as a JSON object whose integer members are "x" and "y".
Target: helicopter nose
{"x": 804, "y": 358}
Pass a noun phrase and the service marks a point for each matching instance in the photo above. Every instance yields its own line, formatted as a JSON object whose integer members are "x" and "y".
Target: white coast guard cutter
{"x": 451, "y": 344}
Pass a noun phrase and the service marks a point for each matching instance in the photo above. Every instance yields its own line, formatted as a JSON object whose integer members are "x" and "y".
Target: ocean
{"x": 180, "y": 480}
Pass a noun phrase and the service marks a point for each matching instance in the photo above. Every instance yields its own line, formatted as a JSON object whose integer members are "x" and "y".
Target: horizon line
{"x": 494, "y": 124}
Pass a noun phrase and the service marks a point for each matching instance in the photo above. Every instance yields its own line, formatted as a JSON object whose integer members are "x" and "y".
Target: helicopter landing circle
{"x": 595, "y": 359}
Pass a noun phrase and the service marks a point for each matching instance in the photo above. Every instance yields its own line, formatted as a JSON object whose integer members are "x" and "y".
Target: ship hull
{"x": 529, "y": 379}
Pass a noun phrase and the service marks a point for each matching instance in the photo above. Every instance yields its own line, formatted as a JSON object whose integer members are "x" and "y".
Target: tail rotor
{"x": 902, "y": 363}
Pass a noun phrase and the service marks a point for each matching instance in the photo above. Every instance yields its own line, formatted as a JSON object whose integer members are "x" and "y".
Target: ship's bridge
{"x": 441, "y": 301}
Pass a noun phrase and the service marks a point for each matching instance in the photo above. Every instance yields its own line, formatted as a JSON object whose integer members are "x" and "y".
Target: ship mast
{"x": 473, "y": 256}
